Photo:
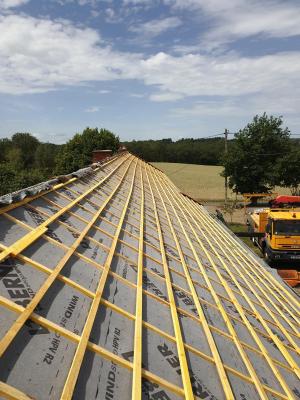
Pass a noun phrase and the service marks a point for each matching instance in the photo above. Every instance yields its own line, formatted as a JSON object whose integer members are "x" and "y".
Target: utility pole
{"x": 226, "y": 151}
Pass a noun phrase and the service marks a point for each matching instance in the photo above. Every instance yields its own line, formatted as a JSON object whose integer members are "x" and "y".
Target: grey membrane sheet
{"x": 207, "y": 304}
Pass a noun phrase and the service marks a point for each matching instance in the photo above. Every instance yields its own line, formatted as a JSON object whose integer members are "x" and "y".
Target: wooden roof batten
{"x": 115, "y": 285}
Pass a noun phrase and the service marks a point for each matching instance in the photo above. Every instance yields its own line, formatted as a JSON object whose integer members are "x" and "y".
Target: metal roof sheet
{"x": 113, "y": 285}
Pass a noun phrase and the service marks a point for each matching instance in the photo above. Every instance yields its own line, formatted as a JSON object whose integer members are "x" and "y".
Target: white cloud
{"x": 209, "y": 108}
{"x": 194, "y": 75}
{"x": 92, "y": 109}
{"x": 92, "y": 3}
{"x": 38, "y": 55}
{"x": 137, "y": 95}
{"x": 95, "y": 13}
{"x": 137, "y": 1}
{"x": 234, "y": 19}
{"x": 104, "y": 91}
{"x": 110, "y": 12}
{"x": 166, "y": 96}
{"x": 185, "y": 49}
{"x": 241, "y": 106}
{"x": 6, "y": 4}
{"x": 111, "y": 16}
{"x": 156, "y": 27}
{"x": 84, "y": 2}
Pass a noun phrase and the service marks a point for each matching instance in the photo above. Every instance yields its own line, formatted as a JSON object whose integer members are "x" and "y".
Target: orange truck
{"x": 277, "y": 229}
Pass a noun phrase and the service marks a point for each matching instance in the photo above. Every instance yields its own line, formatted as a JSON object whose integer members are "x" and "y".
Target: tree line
{"x": 261, "y": 156}
{"x": 25, "y": 161}
{"x": 187, "y": 151}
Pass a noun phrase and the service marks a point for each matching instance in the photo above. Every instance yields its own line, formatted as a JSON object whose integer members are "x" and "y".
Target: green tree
{"x": 191, "y": 151}
{"x": 288, "y": 171}
{"x": 45, "y": 155}
{"x": 251, "y": 161}
{"x": 27, "y": 144}
{"x": 5, "y": 146}
{"x": 14, "y": 157}
{"x": 12, "y": 180}
{"x": 77, "y": 152}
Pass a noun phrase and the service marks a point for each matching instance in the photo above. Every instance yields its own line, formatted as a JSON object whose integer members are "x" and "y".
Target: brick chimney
{"x": 122, "y": 149}
{"x": 99, "y": 155}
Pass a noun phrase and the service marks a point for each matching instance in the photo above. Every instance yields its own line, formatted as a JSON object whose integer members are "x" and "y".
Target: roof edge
{"x": 19, "y": 195}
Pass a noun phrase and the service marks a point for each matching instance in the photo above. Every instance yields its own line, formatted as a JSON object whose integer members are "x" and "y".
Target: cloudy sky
{"x": 147, "y": 68}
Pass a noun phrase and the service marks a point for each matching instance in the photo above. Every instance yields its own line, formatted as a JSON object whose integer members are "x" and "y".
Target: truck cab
{"x": 282, "y": 236}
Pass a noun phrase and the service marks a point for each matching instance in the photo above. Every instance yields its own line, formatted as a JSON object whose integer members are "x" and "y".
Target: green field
{"x": 202, "y": 182}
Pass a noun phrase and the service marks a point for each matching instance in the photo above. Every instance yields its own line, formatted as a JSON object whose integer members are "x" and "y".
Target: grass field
{"x": 241, "y": 228}
{"x": 202, "y": 182}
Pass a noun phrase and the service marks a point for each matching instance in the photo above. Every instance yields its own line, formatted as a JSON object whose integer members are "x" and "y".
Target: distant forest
{"x": 190, "y": 151}
{"x": 25, "y": 161}
{"x": 186, "y": 151}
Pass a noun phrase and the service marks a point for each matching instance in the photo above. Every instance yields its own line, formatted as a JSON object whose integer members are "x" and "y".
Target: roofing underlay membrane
{"x": 114, "y": 285}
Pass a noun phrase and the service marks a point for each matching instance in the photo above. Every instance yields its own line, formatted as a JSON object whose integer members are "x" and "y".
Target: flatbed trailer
{"x": 290, "y": 276}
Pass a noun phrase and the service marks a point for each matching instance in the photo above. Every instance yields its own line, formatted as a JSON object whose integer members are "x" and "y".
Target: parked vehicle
{"x": 280, "y": 226}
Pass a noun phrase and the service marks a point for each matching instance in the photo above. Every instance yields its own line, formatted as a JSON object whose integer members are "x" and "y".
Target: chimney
{"x": 99, "y": 155}
{"x": 122, "y": 149}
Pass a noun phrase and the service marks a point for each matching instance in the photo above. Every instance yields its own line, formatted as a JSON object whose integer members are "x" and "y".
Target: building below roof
{"x": 114, "y": 285}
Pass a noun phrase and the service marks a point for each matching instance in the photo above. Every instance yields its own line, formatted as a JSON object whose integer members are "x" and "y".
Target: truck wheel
{"x": 267, "y": 258}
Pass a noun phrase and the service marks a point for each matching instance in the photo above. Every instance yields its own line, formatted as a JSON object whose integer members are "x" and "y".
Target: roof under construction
{"x": 114, "y": 285}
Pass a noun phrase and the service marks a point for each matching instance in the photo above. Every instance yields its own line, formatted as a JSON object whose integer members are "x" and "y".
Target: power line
{"x": 212, "y": 136}
{"x": 217, "y": 135}
{"x": 234, "y": 133}
{"x": 276, "y": 154}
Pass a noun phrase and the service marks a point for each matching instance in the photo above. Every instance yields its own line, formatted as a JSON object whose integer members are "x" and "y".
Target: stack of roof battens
{"x": 127, "y": 263}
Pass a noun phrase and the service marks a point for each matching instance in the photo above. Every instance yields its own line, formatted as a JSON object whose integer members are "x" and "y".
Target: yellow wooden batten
{"x": 115, "y": 285}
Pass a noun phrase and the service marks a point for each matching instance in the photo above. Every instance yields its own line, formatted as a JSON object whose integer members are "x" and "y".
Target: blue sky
{"x": 147, "y": 68}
